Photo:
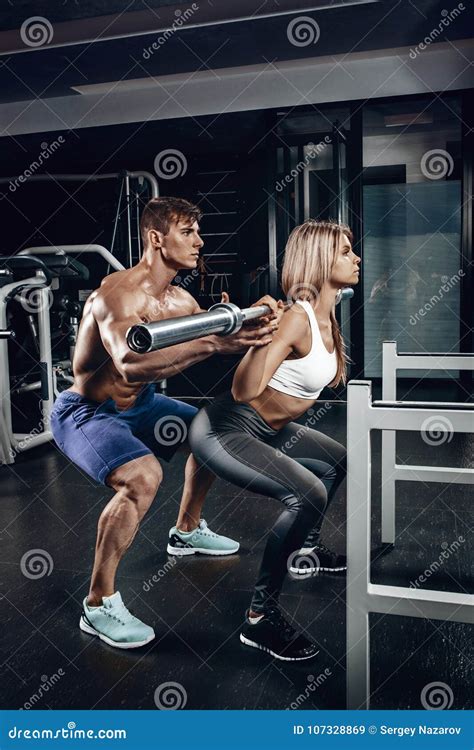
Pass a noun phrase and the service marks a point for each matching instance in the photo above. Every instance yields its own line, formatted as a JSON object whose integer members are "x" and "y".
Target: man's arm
{"x": 116, "y": 313}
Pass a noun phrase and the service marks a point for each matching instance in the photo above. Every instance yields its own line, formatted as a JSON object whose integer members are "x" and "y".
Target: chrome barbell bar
{"x": 222, "y": 319}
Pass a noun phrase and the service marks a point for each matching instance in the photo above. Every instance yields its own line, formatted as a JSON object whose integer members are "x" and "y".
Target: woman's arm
{"x": 259, "y": 364}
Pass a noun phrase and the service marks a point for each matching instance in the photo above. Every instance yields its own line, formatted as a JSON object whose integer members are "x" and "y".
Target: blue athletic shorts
{"x": 99, "y": 438}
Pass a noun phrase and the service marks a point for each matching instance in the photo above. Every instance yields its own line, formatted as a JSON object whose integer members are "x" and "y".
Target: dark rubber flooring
{"x": 196, "y": 604}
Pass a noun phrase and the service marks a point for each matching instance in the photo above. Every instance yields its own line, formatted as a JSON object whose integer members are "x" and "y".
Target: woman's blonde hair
{"x": 310, "y": 255}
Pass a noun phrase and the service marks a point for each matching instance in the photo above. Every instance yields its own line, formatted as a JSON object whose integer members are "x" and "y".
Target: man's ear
{"x": 155, "y": 238}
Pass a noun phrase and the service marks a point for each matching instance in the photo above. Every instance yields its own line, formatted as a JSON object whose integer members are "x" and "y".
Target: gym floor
{"x": 196, "y": 605}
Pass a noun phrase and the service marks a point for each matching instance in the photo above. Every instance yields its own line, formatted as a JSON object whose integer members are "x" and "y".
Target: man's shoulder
{"x": 116, "y": 294}
{"x": 115, "y": 280}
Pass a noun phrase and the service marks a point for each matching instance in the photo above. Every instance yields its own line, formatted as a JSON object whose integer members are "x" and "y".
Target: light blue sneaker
{"x": 114, "y": 624}
{"x": 201, "y": 540}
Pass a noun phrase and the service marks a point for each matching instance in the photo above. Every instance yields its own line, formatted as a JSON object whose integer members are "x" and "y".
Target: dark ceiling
{"x": 356, "y": 28}
{"x": 13, "y": 12}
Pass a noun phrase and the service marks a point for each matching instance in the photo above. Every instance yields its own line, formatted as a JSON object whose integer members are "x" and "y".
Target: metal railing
{"x": 392, "y": 361}
{"x": 364, "y": 597}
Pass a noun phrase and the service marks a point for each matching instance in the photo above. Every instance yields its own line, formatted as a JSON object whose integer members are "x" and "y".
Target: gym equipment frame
{"x": 392, "y": 361}
{"x": 364, "y": 597}
{"x": 13, "y": 443}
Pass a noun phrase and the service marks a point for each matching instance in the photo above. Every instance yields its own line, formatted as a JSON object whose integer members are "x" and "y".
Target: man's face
{"x": 181, "y": 246}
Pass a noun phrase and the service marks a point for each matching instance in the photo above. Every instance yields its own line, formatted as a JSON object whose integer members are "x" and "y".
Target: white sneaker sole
{"x": 91, "y": 631}
{"x": 182, "y": 551}
{"x": 252, "y": 644}
{"x": 307, "y": 572}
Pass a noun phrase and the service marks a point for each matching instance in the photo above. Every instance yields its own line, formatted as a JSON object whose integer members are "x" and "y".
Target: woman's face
{"x": 345, "y": 271}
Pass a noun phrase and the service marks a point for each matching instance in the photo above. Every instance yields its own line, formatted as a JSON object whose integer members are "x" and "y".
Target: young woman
{"x": 248, "y": 436}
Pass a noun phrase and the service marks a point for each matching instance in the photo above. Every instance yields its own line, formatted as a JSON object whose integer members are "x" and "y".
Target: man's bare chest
{"x": 171, "y": 307}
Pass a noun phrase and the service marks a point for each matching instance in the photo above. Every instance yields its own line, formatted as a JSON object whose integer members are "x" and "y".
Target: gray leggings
{"x": 297, "y": 465}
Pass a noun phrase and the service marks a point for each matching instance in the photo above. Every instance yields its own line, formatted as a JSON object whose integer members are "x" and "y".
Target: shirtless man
{"x": 113, "y": 425}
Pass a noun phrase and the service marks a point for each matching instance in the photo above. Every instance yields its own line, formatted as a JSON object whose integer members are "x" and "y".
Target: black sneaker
{"x": 310, "y": 561}
{"x": 277, "y": 637}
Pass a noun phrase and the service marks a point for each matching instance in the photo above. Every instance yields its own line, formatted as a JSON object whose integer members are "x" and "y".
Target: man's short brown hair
{"x": 159, "y": 213}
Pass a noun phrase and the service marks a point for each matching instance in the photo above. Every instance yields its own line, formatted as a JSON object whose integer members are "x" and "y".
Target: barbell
{"x": 223, "y": 319}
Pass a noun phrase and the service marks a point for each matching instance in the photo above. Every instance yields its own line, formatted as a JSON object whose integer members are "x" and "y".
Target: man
{"x": 113, "y": 425}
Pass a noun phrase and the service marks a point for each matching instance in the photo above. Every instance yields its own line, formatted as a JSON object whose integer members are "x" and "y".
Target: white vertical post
{"x": 46, "y": 357}
{"x": 5, "y": 444}
{"x": 358, "y": 543}
{"x": 389, "y": 453}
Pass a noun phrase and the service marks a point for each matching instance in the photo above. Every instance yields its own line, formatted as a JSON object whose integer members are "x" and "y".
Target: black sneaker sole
{"x": 315, "y": 571}
{"x": 253, "y": 644}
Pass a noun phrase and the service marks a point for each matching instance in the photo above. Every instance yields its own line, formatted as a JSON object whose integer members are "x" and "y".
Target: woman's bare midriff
{"x": 277, "y": 409}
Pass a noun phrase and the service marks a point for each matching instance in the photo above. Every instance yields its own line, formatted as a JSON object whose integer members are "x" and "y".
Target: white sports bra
{"x": 307, "y": 376}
